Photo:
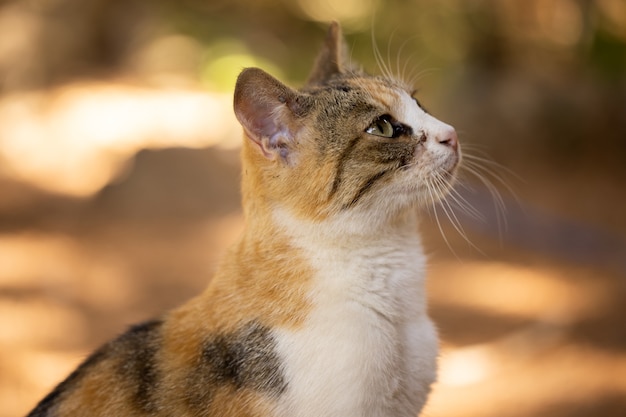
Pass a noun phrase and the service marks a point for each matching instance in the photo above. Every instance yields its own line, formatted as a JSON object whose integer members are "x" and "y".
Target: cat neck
{"x": 366, "y": 224}
{"x": 349, "y": 229}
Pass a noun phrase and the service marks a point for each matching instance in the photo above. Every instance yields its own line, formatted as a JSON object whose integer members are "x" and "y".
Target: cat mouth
{"x": 454, "y": 165}
{"x": 447, "y": 167}
{"x": 452, "y": 162}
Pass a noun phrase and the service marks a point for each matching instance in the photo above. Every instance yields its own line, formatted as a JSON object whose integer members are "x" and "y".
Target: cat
{"x": 319, "y": 309}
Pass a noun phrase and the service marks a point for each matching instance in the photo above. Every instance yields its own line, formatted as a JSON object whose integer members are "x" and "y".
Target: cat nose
{"x": 449, "y": 138}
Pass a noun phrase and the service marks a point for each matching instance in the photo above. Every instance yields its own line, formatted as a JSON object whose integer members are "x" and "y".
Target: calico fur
{"x": 319, "y": 309}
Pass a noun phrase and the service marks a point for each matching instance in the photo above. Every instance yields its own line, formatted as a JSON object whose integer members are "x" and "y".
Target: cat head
{"x": 347, "y": 142}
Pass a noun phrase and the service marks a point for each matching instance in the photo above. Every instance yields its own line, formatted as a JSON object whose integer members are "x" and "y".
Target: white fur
{"x": 411, "y": 114}
{"x": 367, "y": 348}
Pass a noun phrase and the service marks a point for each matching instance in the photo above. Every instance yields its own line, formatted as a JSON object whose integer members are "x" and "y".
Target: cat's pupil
{"x": 386, "y": 127}
{"x": 383, "y": 127}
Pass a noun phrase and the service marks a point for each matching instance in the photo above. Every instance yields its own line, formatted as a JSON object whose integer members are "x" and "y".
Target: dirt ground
{"x": 531, "y": 325}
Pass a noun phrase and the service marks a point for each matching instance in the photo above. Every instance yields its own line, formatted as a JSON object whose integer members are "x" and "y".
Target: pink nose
{"x": 449, "y": 138}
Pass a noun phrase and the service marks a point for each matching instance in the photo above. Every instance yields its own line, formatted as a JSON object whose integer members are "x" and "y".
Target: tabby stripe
{"x": 366, "y": 187}
{"x": 340, "y": 166}
{"x": 139, "y": 364}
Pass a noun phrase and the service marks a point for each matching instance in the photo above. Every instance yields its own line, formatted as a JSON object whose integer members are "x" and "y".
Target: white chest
{"x": 367, "y": 348}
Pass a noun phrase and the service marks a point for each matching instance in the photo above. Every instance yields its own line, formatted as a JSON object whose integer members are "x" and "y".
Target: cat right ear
{"x": 331, "y": 59}
{"x": 268, "y": 111}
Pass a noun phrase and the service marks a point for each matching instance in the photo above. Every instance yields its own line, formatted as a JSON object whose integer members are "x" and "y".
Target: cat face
{"x": 346, "y": 142}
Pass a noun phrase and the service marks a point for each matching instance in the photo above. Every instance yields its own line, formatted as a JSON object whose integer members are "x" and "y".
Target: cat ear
{"x": 268, "y": 111}
{"x": 331, "y": 59}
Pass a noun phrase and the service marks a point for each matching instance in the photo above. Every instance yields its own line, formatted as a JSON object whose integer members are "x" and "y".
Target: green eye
{"x": 382, "y": 127}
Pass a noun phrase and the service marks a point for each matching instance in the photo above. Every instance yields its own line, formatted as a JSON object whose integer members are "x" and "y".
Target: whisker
{"x": 457, "y": 225}
{"x": 476, "y": 168}
{"x": 464, "y": 205}
{"x": 350, "y": 56}
{"x": 404, "y": 68}
{"x": 414, "y": 78}
{"x": 499, "y": 204}
{"x": 401, "y": 74}
{"x": 454, "y": 220}
{"x": 379, "y": 58}
{"x": 488, "y": 161}
{"x": 490, "y": 167}
{"x": 481, "y": 173}
{"x": 389, "y": 53}
{"x": 433, "y": 201}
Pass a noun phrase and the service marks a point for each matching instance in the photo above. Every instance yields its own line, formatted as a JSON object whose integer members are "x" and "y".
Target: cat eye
{"x": 385, "y": 127}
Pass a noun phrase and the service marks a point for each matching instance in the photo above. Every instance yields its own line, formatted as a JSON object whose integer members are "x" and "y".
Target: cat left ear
{"x": 268, "y": 111}
{"x": 331, "y": 59}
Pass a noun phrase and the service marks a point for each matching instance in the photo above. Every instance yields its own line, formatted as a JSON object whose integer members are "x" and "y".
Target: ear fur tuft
{"x": 331, "y": 59}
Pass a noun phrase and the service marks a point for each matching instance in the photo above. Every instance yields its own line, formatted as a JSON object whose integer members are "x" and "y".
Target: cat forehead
{"x": 391, "y": 97}
{"x": 377, "y": 93}
{"x": 379, "y": 88}
{"x": 395, "y": 99}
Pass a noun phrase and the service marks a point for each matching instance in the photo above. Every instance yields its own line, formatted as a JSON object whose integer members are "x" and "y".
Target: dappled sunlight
{"x": 560, "y": 22}
{"x": 475, "y": 363}
{"x": 459, "y": 367}
{"x": 496, "y": 380}
{"x": 62, "y": 295}
{"x": 59, "y": 267}
{"x": 225, "y": 58}
{"x": 75, "y": 139}
{"x": 354, "y": 14}
{"x": 544, "y": 293}
{"x": 535, "y": 360}
{"x": 29, "y": 372}
{"x": 24, "y": 256}
{"x": 56, "y": 324}
{"x": 614, "y": 11}
{"x": 41, "y": 286}
{"x": 169, "y": 58}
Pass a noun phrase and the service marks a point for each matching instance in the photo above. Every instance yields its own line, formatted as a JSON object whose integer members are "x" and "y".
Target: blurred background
{"x": 119, "y": 176}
